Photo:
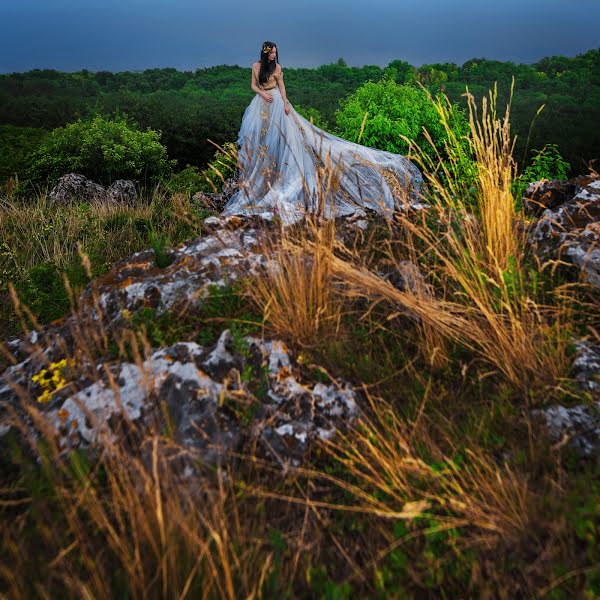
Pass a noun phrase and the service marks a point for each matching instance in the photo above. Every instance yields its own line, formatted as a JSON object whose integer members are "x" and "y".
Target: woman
{"x": 287, "y": 165}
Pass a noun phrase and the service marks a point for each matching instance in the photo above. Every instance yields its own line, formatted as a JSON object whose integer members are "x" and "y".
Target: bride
{"x": 287, "y": 165}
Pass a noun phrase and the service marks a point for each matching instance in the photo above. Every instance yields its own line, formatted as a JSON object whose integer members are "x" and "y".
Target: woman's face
{"x": 273, "y": 53}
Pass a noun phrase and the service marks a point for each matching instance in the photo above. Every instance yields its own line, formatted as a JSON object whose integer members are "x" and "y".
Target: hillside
{"x": 358, "y": 407}
{"x": 192, "y": 106}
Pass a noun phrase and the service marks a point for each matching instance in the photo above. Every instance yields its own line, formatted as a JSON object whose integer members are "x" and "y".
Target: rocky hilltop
{"x": 217, "y": 398}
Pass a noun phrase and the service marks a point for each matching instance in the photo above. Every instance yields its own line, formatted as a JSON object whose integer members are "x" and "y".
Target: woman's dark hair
{"x": 267, "y": 67}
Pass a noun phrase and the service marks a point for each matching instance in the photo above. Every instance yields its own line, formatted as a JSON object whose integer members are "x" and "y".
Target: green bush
{"x": 312, "y": 113}
{"x": 546, "y": 164}
{"x": 394, "y": 110}
{"x": 102, "y": 150}
{"x": 188, "y": 181}
{"x": 210, "y": 179}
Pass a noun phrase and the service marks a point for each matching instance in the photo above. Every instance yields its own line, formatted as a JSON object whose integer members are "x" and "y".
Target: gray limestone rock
{"x": 210, "y": 413}
{"x": 74, "y": 187}
{"x": 569, "y": 229}
{"x": 579, "y": 424}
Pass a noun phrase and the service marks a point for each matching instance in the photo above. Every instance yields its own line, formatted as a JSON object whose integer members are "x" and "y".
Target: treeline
{"x": 189, "y": 107}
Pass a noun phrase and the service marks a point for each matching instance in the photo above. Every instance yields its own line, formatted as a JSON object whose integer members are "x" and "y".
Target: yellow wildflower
{"x": 51, "y": 379}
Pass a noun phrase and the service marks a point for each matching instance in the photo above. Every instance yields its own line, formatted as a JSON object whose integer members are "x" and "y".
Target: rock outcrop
{"x": 203, "y": 395}
{"x": 579, "y": 425}
{"x": 215, "y": 201}
{"x": 214, "y": 399}
{"x": 227, "y": 251}
{"x": 569, "y": 226}
{"x": 74, "y": 187}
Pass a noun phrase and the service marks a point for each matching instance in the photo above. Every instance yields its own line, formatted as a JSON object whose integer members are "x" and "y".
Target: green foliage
{"x": 436, "y": 558}
{"x": 8, "y": 265}
{"x": 44, "y": 290}
{"x": 101, "y": 149}
{"x": 189, "y": 107}
{"x": 584, "y": 519}
{"x": 401, "y": 71}
{"x": 160, "y": 244}
{"x": 221, "y": 167}
{"x": 324, "y": 588}
{"x": 188, "y": 181}
{"x": 160, "y": 328}
{"x": 546, "y": 164}
{"x": 104, "y": 235}
{"x": 210, "y": 179}
{"x": 393, "y": 111}
{"x": 274, "y": 588}
{"x": 16, "y": 146}
{"x": 224, "y": 307}
{"x": 312, "y": 114}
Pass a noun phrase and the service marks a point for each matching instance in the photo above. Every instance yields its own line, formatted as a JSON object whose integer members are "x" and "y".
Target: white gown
{"x": 281, "y": 160}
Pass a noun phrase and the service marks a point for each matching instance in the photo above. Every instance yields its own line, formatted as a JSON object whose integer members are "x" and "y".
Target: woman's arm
{"x": 254, "y": 84}
{"x": 281, "y": 85}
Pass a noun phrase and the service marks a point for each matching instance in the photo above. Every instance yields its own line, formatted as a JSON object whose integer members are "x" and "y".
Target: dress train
{"x": 286, "y": 164}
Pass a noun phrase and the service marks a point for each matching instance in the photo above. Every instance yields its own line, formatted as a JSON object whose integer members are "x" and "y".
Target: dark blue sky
{"x": 119, "y": 35}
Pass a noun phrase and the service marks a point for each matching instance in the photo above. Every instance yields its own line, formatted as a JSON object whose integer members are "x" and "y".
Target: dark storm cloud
{"x": 133, "y": 34}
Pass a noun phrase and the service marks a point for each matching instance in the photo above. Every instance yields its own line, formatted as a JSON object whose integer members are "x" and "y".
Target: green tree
{"x": 393, "y": 111}
{"x": 103, "y": 150}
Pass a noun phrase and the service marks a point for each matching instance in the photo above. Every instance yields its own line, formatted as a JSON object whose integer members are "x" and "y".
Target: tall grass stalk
{"x": 297, "y": 292}
{"x": 477, "y": 258}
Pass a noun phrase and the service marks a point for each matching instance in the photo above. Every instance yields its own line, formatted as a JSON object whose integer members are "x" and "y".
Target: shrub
{"x": 546, "y": 164}
{"x": 210, "y": 179}
{"x": 102, "y": 150}
{"x": 188, "y": 181}
{"x": 312, "y": 113}
{"x": 393, "y": 111}
{"x": 222, "y": 166}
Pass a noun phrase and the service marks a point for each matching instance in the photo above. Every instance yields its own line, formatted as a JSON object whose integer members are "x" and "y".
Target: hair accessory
{"x": 267, "y": 49}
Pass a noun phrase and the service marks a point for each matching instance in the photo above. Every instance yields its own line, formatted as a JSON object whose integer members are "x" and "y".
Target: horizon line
{"x": 85, "y": 69}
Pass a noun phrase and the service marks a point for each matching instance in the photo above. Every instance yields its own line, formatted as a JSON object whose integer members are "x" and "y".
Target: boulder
{"x": 578, "y": 425}
{"x": 569, "y": 229}
{"x": 212, "y": 400}
{"x": 216, "y": 201}
{"x": 74, "y": 187}
{"x": 122, "y": 191}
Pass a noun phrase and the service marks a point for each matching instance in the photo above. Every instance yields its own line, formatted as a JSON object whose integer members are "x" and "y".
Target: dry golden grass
{"x": 132, "y": 524}
{"x": 39, "y": 232}
{"x": 383, "y": 456}
{"x": 297, "y": 293}
{"x": 484, "y": 261}
{"x": 126, "y": 519}
{"x": 484, "y": 297}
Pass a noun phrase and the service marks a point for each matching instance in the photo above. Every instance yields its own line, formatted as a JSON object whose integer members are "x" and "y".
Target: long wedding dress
{"x": 289, "y": 167}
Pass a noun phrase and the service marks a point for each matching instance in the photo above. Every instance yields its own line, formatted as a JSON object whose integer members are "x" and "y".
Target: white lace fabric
{"x": 288, "y": 166}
